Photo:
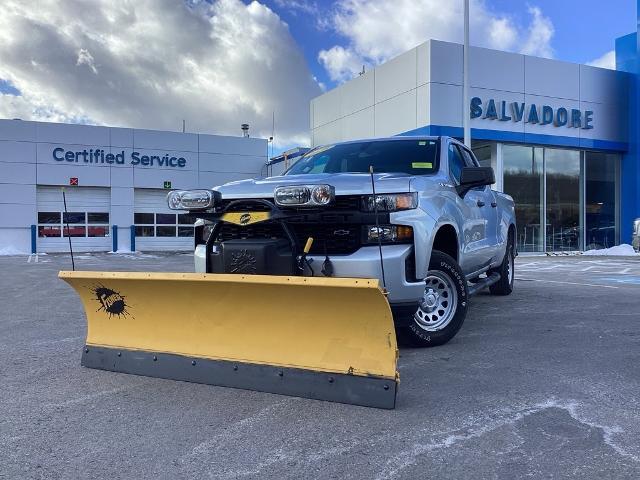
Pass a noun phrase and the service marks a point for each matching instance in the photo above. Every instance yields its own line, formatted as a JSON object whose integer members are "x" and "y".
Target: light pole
{"x": 465, "y": 78}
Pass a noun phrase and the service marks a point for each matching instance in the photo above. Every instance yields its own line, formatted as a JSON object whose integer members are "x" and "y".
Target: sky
{"x": 218, "y": 63}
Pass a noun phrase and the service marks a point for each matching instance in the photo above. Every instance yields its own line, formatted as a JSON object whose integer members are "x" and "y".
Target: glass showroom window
{"x": 524, "y": 181}
{"x": 575, "y": 194}
{"x": 81, "y": 224}
{"x": 601, "y": 200}
{"x": 162, "y": 225}
{"x": 564, "y": 193}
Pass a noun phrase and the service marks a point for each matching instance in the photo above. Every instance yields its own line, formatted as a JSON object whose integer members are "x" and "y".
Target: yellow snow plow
{"x": 323, "y": 338}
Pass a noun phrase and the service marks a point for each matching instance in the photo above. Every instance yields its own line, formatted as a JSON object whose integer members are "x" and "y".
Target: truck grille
{"x": 342, "y": 203}
{"x": 342, "y": 239}
{"x": 332, "y": 227}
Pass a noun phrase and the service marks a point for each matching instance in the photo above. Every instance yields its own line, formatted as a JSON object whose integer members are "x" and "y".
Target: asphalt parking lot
{"x": 544, "y": 383}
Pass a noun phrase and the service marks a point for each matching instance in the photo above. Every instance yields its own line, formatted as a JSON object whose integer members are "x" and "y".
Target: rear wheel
{"x": 504, "y": 286}
{"x": 442, "y": 308}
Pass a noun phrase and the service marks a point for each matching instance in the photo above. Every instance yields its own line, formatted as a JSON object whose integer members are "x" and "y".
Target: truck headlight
{"x": 304, "y": 195}
{"x": 192, "y": 199}
{"x": 389, "y": 234}
{"x": 390, "y": 202}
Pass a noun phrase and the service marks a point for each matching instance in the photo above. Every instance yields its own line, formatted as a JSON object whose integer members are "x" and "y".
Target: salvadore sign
{"x": 98, "y": 156}
{"x": 504, "y": 111}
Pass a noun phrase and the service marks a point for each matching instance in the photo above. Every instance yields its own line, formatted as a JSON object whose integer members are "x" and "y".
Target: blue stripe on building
{"x": 627, "y": 60}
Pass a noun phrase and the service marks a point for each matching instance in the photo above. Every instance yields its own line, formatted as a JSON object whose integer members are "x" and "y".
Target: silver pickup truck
{"x": 434, "y": 233}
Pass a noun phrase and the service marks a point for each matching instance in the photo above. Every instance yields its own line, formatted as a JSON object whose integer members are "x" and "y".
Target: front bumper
{"x": 364, "y": 263}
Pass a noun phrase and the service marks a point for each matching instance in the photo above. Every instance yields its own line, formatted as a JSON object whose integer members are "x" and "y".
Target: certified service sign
{"x": 136, "y": 158}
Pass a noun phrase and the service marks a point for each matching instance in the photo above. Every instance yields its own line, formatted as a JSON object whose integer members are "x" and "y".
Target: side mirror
{"x": 472, "y": 177}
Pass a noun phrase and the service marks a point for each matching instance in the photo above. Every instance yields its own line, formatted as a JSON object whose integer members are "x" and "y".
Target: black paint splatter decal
{"x": 111, "y": 301}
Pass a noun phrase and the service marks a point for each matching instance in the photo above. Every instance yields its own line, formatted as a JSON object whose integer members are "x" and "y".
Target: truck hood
{"x": 344, "y": 184}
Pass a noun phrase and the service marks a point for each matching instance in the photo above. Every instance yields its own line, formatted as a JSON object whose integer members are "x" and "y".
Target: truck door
{"x": 479, "y": 217}
{"x": 485, "y": 200}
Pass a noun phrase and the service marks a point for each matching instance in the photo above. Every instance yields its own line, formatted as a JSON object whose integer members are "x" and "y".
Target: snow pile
{"x": 624, "y": 250}
{"x": 133, "y": 255}
{"x": 11, "y": 250}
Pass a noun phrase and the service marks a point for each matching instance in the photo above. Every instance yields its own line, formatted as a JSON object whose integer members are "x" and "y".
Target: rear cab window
{"x": 463, "y": 158}
{"x": 469, "y": 159}
{"x": 456, "y": 162}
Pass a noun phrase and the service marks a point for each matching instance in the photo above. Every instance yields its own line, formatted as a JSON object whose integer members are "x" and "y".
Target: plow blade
{"x": 324, "y": 338}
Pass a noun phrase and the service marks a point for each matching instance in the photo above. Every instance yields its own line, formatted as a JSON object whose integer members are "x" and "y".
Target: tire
{"x": 446, "y": 291}
{"x": 506, "y": 270}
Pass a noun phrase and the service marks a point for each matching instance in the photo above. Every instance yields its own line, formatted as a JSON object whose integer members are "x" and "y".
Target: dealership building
{"x": 561, "y": 137}
{"x": 115, "y": 181}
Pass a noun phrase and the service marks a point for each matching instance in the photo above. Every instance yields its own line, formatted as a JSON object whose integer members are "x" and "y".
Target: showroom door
{"x": 524, "y": 181}
{"x": 88, "y": 216}
{"x": 563, "y": 173}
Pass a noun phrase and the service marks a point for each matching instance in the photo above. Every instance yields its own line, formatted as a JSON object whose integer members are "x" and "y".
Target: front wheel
{"x": 442, "y": 308}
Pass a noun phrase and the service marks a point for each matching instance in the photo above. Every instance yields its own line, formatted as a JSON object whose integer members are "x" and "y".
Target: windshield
{"x": 414, "y": 157}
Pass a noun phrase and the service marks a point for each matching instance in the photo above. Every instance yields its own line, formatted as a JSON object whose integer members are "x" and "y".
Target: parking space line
{"x": 626, "y": 280}
{"x": 545, "y": 268}
{"x": 528, "y": 264}
{"x": 566, "y": 283}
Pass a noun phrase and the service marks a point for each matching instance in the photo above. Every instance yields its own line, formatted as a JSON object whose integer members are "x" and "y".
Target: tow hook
{"x": 327, "y": 267}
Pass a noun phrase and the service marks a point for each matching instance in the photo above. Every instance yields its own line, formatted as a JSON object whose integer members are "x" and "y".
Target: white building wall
{"x": 17, "y": 186}
{"x": 27, "y": 160}
{"x": 381, "y": 102}
{"x": 423, "y": 87}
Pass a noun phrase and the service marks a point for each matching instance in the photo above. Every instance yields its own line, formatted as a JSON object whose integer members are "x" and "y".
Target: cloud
{"x": 341, "y": 63}
{"x": 152, "y": 63}
{"x": 540, "y": 32}
{"x": 303, "y": 6}
{"x": 608, "y": 60}
{"x": 377, "y": 30}
{"x": 85, "y": 58}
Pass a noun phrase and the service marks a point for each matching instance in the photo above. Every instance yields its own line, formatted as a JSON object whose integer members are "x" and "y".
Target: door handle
{"x": 494, "y": 204}
{"x": 480, "y": 203}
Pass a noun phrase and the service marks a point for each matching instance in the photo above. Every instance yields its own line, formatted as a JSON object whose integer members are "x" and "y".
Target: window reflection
{"x": 600, "y": 199}
{"x": 163, "y": 225}
{"x": 523, "y": 180}
{"x": 80, "y": 224}
{"x": 579, "y": 206}
{"x": 564, "y": 229}
{"x": 483, "y": 154}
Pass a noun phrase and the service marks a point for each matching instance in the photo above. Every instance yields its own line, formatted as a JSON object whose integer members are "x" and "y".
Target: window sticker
{"x": 421, "y": 165}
